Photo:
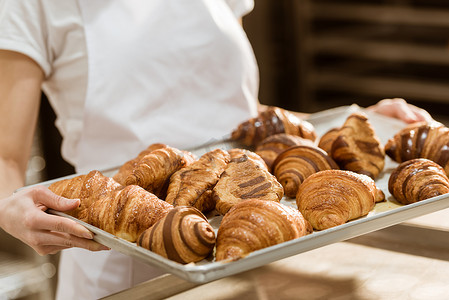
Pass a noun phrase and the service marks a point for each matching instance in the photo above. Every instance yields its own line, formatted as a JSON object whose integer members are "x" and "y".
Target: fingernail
{"x": 103, "y": 247}
{"x": 88, "y": 235}
{"x": 71, "y": 201}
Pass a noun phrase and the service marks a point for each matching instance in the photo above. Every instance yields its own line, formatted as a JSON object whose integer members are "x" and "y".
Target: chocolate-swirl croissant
{"x": 154, "y": 169}
{"x": 333, "y": 197}
{"x": 88, "y": 188}
{"x": 273, "y": 145}
{"x": 297, "y": 163}
{"x": 416, "y": 180}
{"x": 184, "y": 235}
{"x": 192, "y": 185}
{"x": 429, "y": 141}
{"x": 126, "y": 212}
{"x": 271, "y": 121}
{"x": 357, "y": 148}
{"x": 255, "y": 224}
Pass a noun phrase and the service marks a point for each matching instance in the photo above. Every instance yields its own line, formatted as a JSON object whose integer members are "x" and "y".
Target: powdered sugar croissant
{"x": 126, "y": 212}
{"x": 184, "y": 235}
{"x": 88, "y": 188}
{"x": 154, "y": 169}
{"x": 416, "y": 180}
{"x": 333, "y": 197}
{"x": 127, "y": 168}
{"x": 255, "y": 224}
{"x": 192, "y": 185}
{"x": 271, "y": 121}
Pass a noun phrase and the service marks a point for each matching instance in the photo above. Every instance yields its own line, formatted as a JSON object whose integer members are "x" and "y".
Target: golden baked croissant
{"x": 255, "y": 224}
{"x": 127, "y": 168}
{"x": 192, "y": 185}
{"x": 245, "y": 179}
{"x": 333, "y": 197}
{"x": 271, "y": 121}
{"x": 357, "y": 147}
{"x": 154, "y": 169}
{"x": 417, "y": 179}
{"x": 297, "y": 163}
{"x": 429, "y": 141}
{"x": 328, "y": 139}
{"x": 126, "y": 212}
{"x": 88, "y": 188}
{"x": 238, "y": 153}
{"x": 183, "y": 235}
{"x": 271, "y": 146}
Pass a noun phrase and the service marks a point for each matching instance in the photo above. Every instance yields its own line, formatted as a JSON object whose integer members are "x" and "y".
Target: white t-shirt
{"x": 64, "y": 37}
{"x": 52, "y": 34}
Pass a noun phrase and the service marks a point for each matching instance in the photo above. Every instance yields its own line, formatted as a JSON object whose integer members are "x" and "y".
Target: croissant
{"x": 237, "y": 153}
{"x": 127, "y": 168}
{"x": 126, "y": 212}
{"x": 417, "y": 179}
{"x": 333, "y": 197}
{"x": 192, "y": 185}
{"x": 183, "y": 235}
{"x": 255, "y": 224}
{"x": 297, "y": 163}
{"x": 154, "y": 170}
{"x": 244, "y": 179}
{"x": 271, "y": 121}
{"x": 357, "y": 147}
{"x": 88, "y": 188}
{"x": 429, "y": 141}
{"x": 271, "y": 146}
{"x": 328, "y": 139}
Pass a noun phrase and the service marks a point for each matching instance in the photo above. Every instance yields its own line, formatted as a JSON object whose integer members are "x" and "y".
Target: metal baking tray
{"x": 384, "y": 214}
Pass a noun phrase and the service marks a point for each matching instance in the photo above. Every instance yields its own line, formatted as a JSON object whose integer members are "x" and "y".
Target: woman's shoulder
{"x": 38, "y": 28}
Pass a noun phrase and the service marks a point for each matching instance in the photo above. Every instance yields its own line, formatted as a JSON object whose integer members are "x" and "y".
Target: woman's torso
{"x": 123, "y": 74}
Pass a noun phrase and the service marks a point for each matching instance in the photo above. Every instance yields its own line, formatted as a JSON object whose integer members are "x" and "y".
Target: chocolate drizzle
{"x": 253, "y": 193}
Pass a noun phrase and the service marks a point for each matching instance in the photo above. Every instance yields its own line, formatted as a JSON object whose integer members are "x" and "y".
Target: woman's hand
{"x": 23, "y": 216}
{"x": 398, "y": 108}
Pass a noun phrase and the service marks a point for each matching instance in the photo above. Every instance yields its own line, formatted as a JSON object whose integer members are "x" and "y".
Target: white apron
{"x": 179, "y": 72}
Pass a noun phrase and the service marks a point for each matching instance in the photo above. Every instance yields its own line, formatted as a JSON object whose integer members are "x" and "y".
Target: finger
{"x": 48, "y": 199}
{"x": 421, "y": 114}
{"x": 46, "y": 221}
{"x": 404, "y": 112}
{"x": 396, "y": 108}
{"x": 51, "y": 249}
{"x": 68, "y": 240}
{"x": 385, "y": 110}
{"x": 47, "y": 241}
{"x": 45, "y": 250}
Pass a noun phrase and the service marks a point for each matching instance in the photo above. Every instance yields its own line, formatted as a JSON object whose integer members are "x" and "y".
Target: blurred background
{"x": 312, "y": 55}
